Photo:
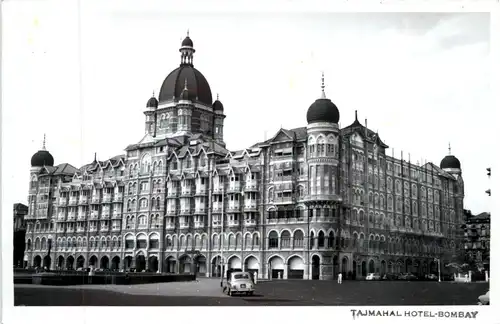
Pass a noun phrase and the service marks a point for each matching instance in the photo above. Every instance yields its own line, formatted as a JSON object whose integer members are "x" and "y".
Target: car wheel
{"x": 250, "y": 293}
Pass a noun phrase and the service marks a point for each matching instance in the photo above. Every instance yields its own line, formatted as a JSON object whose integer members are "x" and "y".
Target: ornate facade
{"x": 308, "y": 203}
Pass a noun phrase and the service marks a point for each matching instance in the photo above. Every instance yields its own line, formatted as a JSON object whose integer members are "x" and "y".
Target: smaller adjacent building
{"x": 477, "y": 239}
{"x": 20, "y": 211}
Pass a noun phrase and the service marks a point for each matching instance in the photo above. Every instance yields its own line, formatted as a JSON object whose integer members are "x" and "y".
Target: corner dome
{"x": 450, "y": 162}
{"x": 217, "y": 105}
{"x": 199, "y": 89}
{"x": 152, "y": 103}
{"x": 323, "y": 110}
{"x": 42, "y": 158}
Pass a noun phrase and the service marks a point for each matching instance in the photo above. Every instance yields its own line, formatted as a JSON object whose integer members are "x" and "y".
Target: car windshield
{"x": 241, "y": 276}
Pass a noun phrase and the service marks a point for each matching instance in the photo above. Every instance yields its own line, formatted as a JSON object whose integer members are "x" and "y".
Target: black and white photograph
{"x": 216, "y": 156}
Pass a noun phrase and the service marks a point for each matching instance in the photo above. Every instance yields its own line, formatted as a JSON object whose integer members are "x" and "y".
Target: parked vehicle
{"x": 484, "y": 299}
{"x": 238, "y": 282}
{"x": 431, "y": 277}
{"x": 373, "y": 276}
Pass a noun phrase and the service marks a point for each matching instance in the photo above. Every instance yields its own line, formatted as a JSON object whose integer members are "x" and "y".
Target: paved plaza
{"x": 207, "y": 292}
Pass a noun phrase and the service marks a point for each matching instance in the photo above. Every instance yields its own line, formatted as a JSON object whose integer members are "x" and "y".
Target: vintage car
{"x": 373, "y": 276}
{"x": 238, "y": 282}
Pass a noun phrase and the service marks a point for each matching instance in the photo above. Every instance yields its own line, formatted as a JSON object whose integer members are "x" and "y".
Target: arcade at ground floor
{"x": 287, "y": 265}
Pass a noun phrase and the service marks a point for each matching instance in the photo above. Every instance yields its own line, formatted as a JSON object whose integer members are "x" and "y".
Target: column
{"x": 285, "y": 271}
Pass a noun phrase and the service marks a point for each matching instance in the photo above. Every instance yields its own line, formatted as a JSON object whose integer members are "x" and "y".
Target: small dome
{"x": 323, "y": 110}
{"x": 450, "y": 162}
{"x": 152, "y": 103}
{"x": 217, "y": 105}
{"x": 187, "y": 42}
{"x": 42, "y": 158}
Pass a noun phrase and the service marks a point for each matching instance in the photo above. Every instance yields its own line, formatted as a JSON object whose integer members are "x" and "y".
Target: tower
{"x": 151, "y": 118}
{"x": 218, "y": 123}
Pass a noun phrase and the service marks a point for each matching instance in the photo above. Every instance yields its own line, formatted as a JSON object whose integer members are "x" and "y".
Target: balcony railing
{"x": 73, "y": 200}
{"x": 201, "y": 190}
{"x": 184, "y": 225}
{"x": 234, "y": 187}
{"x": 233, "y": 222}
{"x": 173, "y": 192}
{"x": 117, "y": 215}
{"x": 83, "y": 200}
{"x": 250, "y": 204}
{"x": 199, "y": 224}
{"x": 217, "y": 206}
{"x": 233, "y": 206}
{"x": 187, "y": 191}
{"x": 71, "y": 216}
{"x": 169, "y": 225}
{"x": 200, "y": 209}
{"x": 94, "y": 214}
{"x": 251, "y": 186}
{"x": 80, "y": 229}
{"x": 107, "y": 198}
{"x": 118, "y": 197}
{"x": 63, "y": 202}
{"x": 96, "y": 200}
{"x": 171, "y": 211}
{"x": 105, "y": 214}
{"x": 250, "y": 222}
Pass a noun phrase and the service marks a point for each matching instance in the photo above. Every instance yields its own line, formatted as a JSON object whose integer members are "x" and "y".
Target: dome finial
{"x": 188, "y": 32}
{"x": 95, "y": 157}
{"x": 43, "y": 145}
{"x": 153, "y": 93}
{"x": 356, "y": 115}
{"x": 217, "y": 96}
{"x": 323, "y": 95}
{"x": 449, "y": 148}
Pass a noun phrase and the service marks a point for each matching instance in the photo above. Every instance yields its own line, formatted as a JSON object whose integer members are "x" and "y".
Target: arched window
{"x": 331, "y": 240}
{"x": 285, "y": 239}
{"x": 298, "y": 239}
{"x": 273, "y": 240}
{"x": 146, "y": 163}
{"x": 311, "y": 240}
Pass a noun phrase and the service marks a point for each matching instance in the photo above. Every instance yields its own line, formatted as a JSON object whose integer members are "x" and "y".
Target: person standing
{"x": 91, "y": 274}
{"x": 339, "y": 278}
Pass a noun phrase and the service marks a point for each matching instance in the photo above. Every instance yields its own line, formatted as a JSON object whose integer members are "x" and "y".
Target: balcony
{"x": 117, "y": 215}
{"x": 118, "y": 197}
{"x": 61, "y": 216}
{"x": 73, "y": 200}
{"x": 96, "y": 199}
{"x": 217, "y": 206}
{"x": 250, "y": 222}
{"x": 104, "y": 228}
{"x": 82, "y": 216}
{"x": 60, "y": 230}
{"x": 94, "y": 214}
{"x": 250, "y": 205}
{"x": 169, "y": 225}
{"x": 233, "y": 223}
{"x": 184, "y": 225}
{"x": 201, "y": 190}
{"x": 199, "y": 224}
{"x": 63, "y": 202}
{"x": 251, "y": 186}
{"x": 284, "y": 200}
{"x": 218, "y": 188}
{"x": 234, "y": 187}
{"x": 105, "y": 214}
{"x": 171, "y": 210}
{"x": 200, "y": 209}
{"x": 71, "y": 216}
{"x": 83, "y": 200}
{"x": 173, "y": 192}
{"x": 116, "y": 229}
{"x": 107, "y": 198}
{"x": 187, "y": 192}
{"x": 92, "y": 229}
{"x": 80, "y": 229}
{"x": 185, "y": 211}
{"x": 233, "y": 206}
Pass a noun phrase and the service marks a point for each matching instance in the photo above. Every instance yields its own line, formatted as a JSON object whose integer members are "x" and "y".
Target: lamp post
{"x": 439, "y": 268}
{"x": 49, "y": 243}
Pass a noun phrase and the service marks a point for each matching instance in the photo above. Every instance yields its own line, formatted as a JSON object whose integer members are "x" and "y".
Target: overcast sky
{"x": 421, "y": 80}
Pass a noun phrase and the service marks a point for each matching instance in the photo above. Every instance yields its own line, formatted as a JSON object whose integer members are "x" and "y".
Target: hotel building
{"x": 309, "y": 202}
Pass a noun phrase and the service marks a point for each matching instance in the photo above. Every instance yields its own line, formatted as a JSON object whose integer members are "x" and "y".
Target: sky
{"x": 83, "y": 78}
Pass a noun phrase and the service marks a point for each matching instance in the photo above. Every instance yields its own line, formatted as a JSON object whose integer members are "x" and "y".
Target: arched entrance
{"x": 371, "y": 266}
{"x": 104, "y": 262}
{"x": 296, "y": 268}
{"x": 170, "y": 264}
{"x": 80, "y": 262}
{"x": 201, "y": 264}
{"x": 185, "y": 263}
{"x": 354, "y": 269}
{"x": 60, "y": 262}
{"x": 46, "y": 262}
{"x": 127, "y": 262}
{"x": 140, "y": 262}
{"x": 277, "y": 267}
{"x": 315, "y": 267}
{"x": 70, "y": 261}
{"x": 344, "y": 267}
{"x": 37, "y": 261}
{"x": 434, "y": 267}
{"x": 93, "y": 261}
{"x": 383, "y": 267}
{"x": 425, "y": 269}
{"x": 416, "y": 267}
{"x": 252, "y": 265}
{"x": 336, "y": 265}
{"x": 363, "y": 269}
{"x": 234, "y": 263}
{"x": 216, "y": 267}
{"x": 153, "y": 263}
{"x": 115, "y": 263}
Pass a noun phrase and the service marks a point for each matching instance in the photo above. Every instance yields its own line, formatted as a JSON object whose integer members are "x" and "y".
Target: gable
{"x": 281, "y": 136}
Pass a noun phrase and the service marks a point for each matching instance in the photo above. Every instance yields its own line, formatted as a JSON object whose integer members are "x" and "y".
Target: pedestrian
{"x": 339, "y": 278}
{"x": 91, "y": 274}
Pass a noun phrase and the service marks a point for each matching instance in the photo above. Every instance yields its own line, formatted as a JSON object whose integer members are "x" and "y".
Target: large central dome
{"x": 199, "y": 89}
{"x": 175, "y": 82}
